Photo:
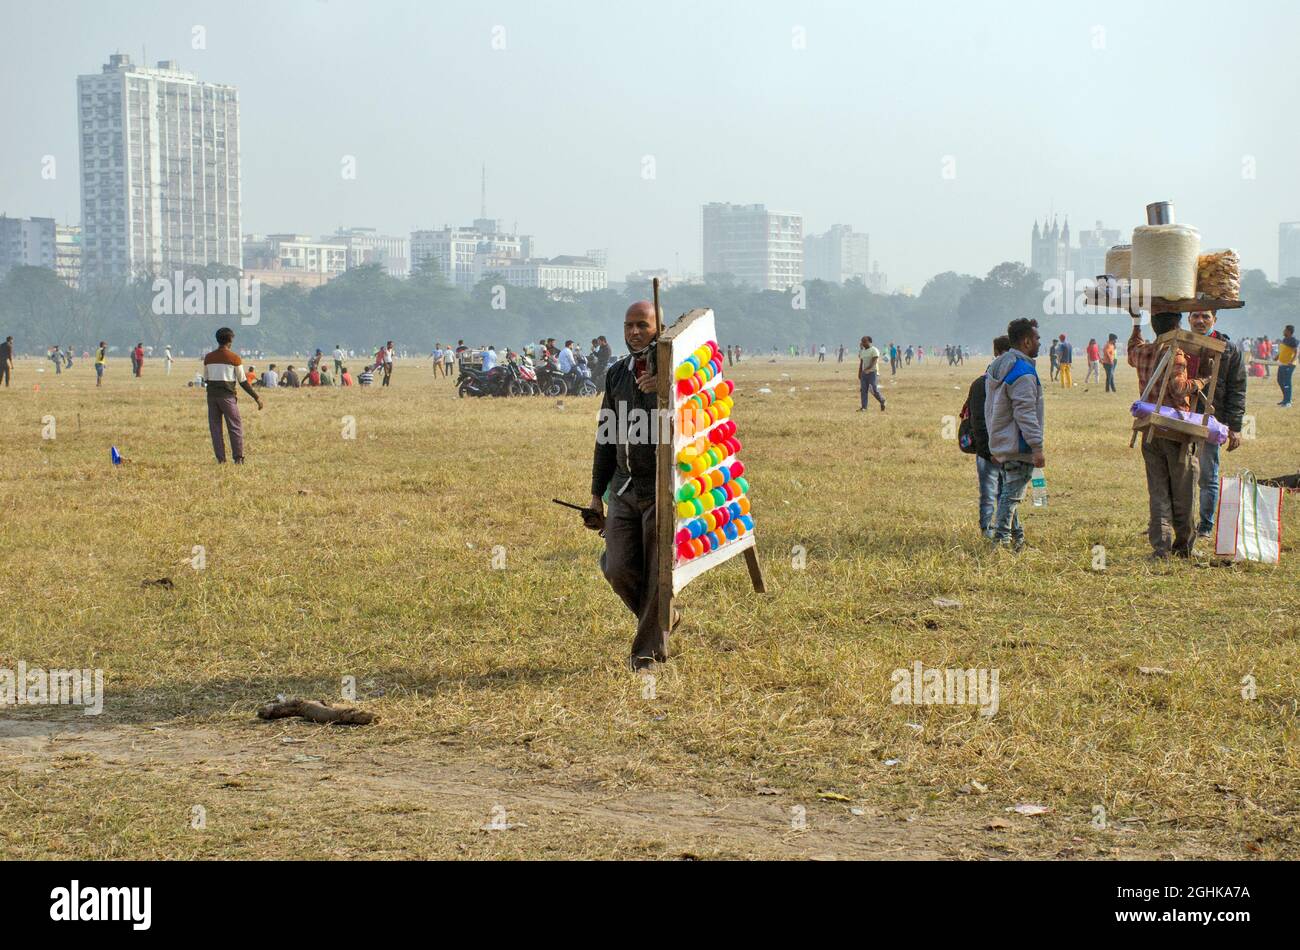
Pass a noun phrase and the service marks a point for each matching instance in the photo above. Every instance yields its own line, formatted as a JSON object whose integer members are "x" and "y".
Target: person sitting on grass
{"x": 313, "y": 377}
{"x": 345, "y": 378}
{"x": 367, "y": 376}
{"x": 290, "y": 378}
{"x": 325, "y": 378}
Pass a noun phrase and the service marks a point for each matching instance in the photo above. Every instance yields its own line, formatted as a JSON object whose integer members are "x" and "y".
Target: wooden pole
{"x": 665, "y": 507}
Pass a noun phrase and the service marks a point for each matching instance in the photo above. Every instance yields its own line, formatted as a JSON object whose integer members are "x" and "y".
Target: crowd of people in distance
{"x": 541, "y": 360}
{"x": 317, "y": 372}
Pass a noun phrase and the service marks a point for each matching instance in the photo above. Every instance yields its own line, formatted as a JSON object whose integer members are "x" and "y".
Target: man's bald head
{"x": 642, "y": 307}
{"x": 640, "y": 325}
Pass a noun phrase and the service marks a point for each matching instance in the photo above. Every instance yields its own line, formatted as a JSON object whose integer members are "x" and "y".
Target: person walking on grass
{"x": 1094, "y": 362}
{"x": 868, "y": 370}
{"x": 386, "y": 354}
{"x": 625, "y": 468}
{"x": 101, "y": 361}
{"x": 1286, "y": 358}
{"x": 1108, "y": 362}
{"x": 1229, "y": 408}
{"x": 1065, "y": 362}
{"x": 1013, "y": 412}
{"x": 988, "y": 470}
{"x": 1172, "y": 471}
{"x": 6, "y": 360}
{"x": 221, "y": 371}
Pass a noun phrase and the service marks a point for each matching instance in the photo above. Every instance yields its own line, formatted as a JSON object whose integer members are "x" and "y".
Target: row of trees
{"x": 365, "y": 307}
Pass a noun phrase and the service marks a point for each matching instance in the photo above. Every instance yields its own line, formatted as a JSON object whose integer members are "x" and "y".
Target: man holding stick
{"x": 625, "y": 466}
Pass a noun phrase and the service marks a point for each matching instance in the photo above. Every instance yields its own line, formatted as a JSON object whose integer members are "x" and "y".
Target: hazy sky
{"x": 1089, "y": 108}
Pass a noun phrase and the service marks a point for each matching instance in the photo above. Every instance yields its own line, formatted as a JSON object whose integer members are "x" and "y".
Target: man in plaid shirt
{"x": 1172, "y": 470}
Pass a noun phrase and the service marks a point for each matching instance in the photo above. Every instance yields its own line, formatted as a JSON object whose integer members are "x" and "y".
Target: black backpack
{"x": 965, "y": 429}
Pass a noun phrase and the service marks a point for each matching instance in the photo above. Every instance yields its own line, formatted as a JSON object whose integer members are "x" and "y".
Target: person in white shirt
{"x": 437, "y": 360}
{"x": 270, "y": 379}
{"x": 167, "y": 355}
{"x": 565, "y": 359}
{"x": 387, "y": 355}
{"x": 868, "y": 367}
{"x": 338, "y": 360}
{"x": 489, "y": 359}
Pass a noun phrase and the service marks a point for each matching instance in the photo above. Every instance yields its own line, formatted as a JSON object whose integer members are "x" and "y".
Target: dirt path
{"x": 287, "y": 766}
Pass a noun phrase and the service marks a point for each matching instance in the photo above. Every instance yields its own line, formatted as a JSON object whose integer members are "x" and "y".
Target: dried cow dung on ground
{"x": 313, "y": 711}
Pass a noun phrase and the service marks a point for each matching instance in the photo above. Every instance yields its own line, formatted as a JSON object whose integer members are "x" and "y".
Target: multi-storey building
{"x": 761, "y": 248}
{"x": 368, "y": 246}
{"x": 67, "y": 254}
{"x": 294, "y": 252}
{"x": 837, "y": 255}
{"x": 462, "y": 254}
{"x": 576, "y": 274}
{"x": 159, "y": 163}
{"x": 1288, "y": 251}
{"x": 1088, "y": 260}
{"x": 26, "y": 242}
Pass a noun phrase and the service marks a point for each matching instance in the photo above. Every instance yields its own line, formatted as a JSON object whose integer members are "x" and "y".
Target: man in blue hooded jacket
{"x": 1013, "y": 411}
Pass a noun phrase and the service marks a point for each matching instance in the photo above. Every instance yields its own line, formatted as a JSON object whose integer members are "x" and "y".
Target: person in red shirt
{"x": 137, "y": 358}
{"x": 1094, "y": 362}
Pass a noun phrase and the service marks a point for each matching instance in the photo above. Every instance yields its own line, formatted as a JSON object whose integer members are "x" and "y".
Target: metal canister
{"x": 1160, "y": 212}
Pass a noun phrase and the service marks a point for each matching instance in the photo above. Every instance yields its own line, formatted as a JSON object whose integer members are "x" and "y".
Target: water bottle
{"x": 1038, "y": 482}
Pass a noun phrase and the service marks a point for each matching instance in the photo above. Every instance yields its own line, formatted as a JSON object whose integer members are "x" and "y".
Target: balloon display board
{"x": 702, "y": 506}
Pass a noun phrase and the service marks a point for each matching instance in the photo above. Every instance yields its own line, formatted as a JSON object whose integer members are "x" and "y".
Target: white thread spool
{"x": 1119, "y": 261}
{"x": 1166, "y": 255}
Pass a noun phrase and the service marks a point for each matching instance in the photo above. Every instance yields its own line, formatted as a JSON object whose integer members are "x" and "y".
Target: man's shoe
{"x": 641, "y": 664}
{"x": 1017, "y": 545}
{"x": 882, "y": 407}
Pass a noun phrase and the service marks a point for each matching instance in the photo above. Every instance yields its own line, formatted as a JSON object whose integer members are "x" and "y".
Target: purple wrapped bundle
{"x": 1218, "y": 431}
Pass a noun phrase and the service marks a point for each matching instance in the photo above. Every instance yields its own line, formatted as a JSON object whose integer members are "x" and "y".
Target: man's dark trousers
{"x": 1172, "y": 474}
{"x": 631, "y": 565}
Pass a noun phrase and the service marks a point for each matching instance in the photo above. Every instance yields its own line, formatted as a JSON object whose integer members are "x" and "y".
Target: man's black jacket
{"x": 637, "y": 461}
{"x": 1230, "y": 394}
{"x": 979, "y": 427}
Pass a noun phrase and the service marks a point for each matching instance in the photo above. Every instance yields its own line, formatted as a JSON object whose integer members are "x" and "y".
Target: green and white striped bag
{"x": 1248, "y": 525}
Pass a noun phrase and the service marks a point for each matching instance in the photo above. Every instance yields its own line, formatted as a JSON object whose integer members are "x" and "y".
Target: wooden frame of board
{"x": 675, "y": 343}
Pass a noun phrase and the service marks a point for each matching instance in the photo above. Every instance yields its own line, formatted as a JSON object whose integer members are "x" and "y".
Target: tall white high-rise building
{"x": 838, "y": 255}
{"x": 1288, "y": 251}
{"x": 761, "y": 248}
{"x": 159, "y": 171}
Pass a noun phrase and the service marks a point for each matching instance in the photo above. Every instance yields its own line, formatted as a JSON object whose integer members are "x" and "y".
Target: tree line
{"x": 365, "y": 307}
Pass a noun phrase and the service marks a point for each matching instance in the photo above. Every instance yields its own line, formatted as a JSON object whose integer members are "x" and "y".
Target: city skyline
{"x": 600, "y": 160}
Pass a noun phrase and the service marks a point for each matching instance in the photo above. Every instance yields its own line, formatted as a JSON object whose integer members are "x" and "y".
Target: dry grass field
{"x": 502, "y": 690}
